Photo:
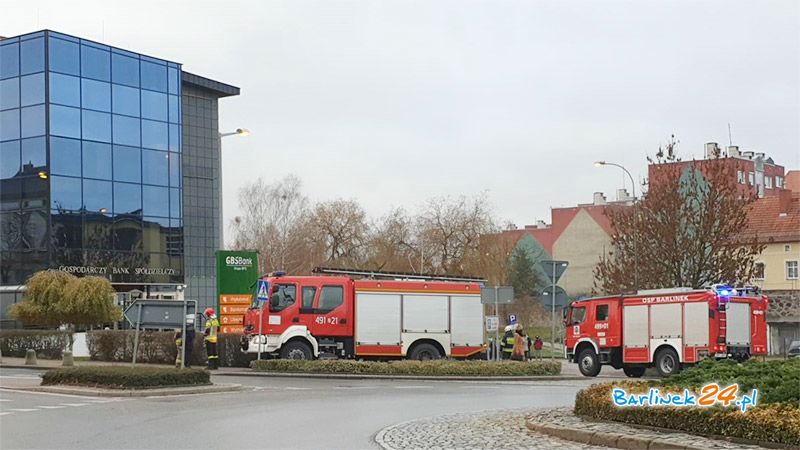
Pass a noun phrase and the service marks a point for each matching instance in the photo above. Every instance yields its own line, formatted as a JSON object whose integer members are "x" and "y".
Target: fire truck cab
{"x": 665, "y": 329}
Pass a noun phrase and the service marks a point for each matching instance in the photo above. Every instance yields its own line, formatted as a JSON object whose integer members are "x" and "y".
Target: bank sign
{"x": 237, "y": 273}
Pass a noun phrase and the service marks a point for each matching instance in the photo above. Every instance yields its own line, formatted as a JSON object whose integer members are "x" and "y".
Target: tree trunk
{"x": 71, "y": 331}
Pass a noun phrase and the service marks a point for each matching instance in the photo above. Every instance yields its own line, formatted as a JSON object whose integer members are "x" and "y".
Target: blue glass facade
{"x": 90, "y": 161}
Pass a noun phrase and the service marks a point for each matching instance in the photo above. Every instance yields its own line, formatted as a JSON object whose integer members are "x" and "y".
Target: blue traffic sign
{"x": 263, "y": 291}
{"x": 512, "y": 319}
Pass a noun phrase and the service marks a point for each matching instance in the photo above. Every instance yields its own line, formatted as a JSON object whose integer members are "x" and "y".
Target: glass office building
{"x": 93, "y": 165}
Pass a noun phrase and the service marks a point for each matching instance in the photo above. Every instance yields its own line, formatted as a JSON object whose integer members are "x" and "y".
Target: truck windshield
{"x": 283, "y": 295}
{"x": 577, "y": 315}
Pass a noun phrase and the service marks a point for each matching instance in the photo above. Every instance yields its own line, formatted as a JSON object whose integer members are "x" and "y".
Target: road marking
{"x": 413, "y": 387}
{"x": 19, "y": 391}
{"x": 292, "y": 388}
{"x": 24, "y": 409}
{"x": 51, "y": 407}
{"x": 74, "y": 404}
{"x": 5, "y": 413}
{"x": 354, "y": 387}
{"x": 20, "y": 378}
{"x": 5, "y": 400}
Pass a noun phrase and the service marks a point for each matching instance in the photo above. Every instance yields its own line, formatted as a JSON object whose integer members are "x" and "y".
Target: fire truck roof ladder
{"x": 395, "y": 275}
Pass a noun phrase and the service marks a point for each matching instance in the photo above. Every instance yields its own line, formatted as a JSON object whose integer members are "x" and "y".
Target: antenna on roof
{"x": 730, "y": 139}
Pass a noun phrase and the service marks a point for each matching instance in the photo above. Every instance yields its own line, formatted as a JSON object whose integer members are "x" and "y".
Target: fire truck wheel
{"x": 295, "y": 350}
{"x": 667, "y": 362}
{"x": 633, "y": 372}
{"x": 588, "y": 363}
{"x": 424, "y": 352}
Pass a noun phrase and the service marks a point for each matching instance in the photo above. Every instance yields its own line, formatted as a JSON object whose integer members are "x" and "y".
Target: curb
{"x": 613, "y": 440}
{"x": 17, "y": 366}
{"x": 94, "y": 392}
{"x": 347, "y": 376}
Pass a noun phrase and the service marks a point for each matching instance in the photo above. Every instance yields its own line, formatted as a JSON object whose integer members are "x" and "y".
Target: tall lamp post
{"x": 238, "y": 132}
{"x": 635, "y": 221}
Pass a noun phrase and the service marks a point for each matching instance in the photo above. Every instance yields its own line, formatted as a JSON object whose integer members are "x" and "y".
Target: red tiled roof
{"x": 770, "y": 225}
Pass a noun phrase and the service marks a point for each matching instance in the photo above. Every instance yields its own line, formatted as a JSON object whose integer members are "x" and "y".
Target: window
{"x": 175, "y": 203}
{"x": 154, "y": 105}
{"x": 174, "y": 80}
{"x": 768, "y": 182}
{"x": 740, "y": 176}
{"x": 174, "y": 137}
{"x": 126, "y": 100}
{"x": 9, "y": 124}
{"x": 330, "y": 298}
{"x": 9, "y": 93}
{"x": 33, "y": 121}
{"x": 95, "y": 63}
{"x": 154, "y": 135}
{"x": 758, "y": 271}
{"x": 127, "y": 198}
{"x": 96, "y": 160}
{"x": 787, "y": 248}
{"x": 778, "y": 182}
{"x": 127, "y": 164}
{"x": 578, "y": 315}
{"x": 32, "y": 89}
{"x": 601, "y": 312}
{"x": 65, "y": 121}
{"x": 283, "y": 295}
{"x": 174, "y": 109}
{"x": 124, "y": 70}
{"x": 126, "y": 130}
{"x": 127, "y": 233}
{"x": 309, "y": 292}
{"x": 791, "y": 270}
{"x": 751, "y": 178}
{"x": 155, "y": 201}
{"x": 32, "y": 56}
{"x": 34, "y": 152}
{"x": 96, "y": 126}
{"x": 97, "y": 196}
{"x": 174, "y": 170}
{"x": 9, "y": 60}
{"x": 64, "y": 56}
{"x": 154, "y": 76}
{"x": 96, "y": 95}
{"x": 65, "y": 156}
{"x": 65, "y": 193}
{"x": 9, "y": 159}
{"x": 155, "y": 167}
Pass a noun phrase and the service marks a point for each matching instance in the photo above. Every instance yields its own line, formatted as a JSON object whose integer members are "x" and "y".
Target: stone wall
{"x": 784, "y": 306}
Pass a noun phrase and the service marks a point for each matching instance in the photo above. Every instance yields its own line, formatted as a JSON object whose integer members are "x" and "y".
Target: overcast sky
{"x": 392, "y": 102}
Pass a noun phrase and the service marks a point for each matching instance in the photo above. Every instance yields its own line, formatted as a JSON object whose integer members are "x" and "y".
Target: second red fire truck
{"x": 665, "y": 329}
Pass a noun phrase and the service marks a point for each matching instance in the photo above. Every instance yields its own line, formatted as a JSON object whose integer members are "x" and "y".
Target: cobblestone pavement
{"x": 564, "y": 417}
{"x": 484, "y": 430}
{"x": 506, "y": 430}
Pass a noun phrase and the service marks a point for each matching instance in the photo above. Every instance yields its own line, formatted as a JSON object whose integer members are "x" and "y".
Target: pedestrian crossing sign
{"x": 263, "y": 291}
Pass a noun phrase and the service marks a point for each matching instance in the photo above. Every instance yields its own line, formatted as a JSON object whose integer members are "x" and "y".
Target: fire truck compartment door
{"x": 666, "y": 327}
{"x": 634, "y": 327}
{"x": 738, "y": 324}
{"x": 466, "y": 320}
{"x": 377, "y": 319}
{"x": 695, "y": 315}
{"x": 425, "y": 314}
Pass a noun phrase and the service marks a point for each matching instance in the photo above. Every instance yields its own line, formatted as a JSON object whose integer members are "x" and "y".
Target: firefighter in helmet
{"x": 508, "y": 341}
{"x": 210, "y": 333}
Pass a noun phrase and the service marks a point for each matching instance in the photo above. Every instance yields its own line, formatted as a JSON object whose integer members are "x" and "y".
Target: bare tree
{"x": 339, "y": 232}
{"x": 272, "y": 221}
{"x": 449, "y": 232}
{"x": 391, "y": 243}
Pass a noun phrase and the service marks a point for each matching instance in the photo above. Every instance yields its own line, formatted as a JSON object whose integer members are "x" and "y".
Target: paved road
{"x": 275, "y": 413}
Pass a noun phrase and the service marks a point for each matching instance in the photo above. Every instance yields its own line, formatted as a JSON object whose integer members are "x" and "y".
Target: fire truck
{"x": 665, "y": 328}
{"x": 366, "y": 314}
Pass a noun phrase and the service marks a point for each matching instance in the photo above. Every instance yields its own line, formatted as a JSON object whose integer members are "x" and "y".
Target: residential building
{"x": 109, "y": 166}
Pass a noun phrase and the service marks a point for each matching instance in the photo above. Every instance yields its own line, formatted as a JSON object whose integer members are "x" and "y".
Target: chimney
{"x": 712, "y": 150}
{"x": 733, "y": 151}
{"x": 541, "y": 224}
{"x": 784, "y": 202}
{"x": 748, "y": 155}
{"x": 599, "y": 199}
{"x": 622, "y": 195}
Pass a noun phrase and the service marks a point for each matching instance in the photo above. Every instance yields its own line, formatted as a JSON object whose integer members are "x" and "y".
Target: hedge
{"x": 49, "y": 344}
{"x": 425, "y": 368}
{"x": 158, "y": 347}
{"x": 125, "y": 377}
{"x": 775, "y": 419}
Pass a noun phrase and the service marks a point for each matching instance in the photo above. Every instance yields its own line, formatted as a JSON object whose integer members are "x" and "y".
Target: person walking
{"x": 210, "y": 333}
{"x": 508, "y": 342}
{"x": 518, "y": 352}
{"x": 528, "y": 343}
{"x": 537, "y": 347}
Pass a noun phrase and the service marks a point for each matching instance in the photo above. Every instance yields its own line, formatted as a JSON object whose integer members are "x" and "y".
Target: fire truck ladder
{"x": 397, "y": 275}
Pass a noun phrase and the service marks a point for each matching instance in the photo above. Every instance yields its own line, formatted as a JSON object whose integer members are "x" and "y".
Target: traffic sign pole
{"x": 183, "y": 336}
{"x": 553, "y": 317}
{"x": 260, "y": 326}
{"x": 136, "y": 336}
{"x": 497, "y": 331}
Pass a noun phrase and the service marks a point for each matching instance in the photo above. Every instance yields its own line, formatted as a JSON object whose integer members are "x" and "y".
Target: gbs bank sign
{"x": 238, "y": 262}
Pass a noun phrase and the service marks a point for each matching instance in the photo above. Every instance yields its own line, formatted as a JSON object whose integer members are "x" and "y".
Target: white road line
{"x": 17, "y": 391}
{"x": 349, "y": 388}
{"x": 51, "y": 407}
{"x": 413, "y": 387}
{"x": 20, "y": 378}
{"x": 5, "y": 413}
{"x": 5, "y": 400}
{"x": 290, "y": 388}
{"x": 24, "y": 409}
{"x": 74, "y": 404}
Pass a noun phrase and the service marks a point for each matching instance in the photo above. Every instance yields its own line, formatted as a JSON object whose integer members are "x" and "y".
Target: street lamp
{"x": 239, "y": 132}
{"x": 635, "y": 221}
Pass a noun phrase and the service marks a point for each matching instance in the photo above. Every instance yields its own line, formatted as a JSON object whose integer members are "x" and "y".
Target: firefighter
{"x": 508, "y": 341}
{"x": 210, "y": 333}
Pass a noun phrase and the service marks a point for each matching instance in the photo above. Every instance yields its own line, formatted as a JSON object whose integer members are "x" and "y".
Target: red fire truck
{"x": 665, "y": 328}
{"x": 380, "y": 315}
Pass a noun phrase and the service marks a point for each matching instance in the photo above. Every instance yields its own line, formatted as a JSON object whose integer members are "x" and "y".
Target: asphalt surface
{"x": 276, "y": 413}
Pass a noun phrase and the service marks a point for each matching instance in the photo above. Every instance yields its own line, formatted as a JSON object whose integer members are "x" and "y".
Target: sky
{"x": 390, "y": 103}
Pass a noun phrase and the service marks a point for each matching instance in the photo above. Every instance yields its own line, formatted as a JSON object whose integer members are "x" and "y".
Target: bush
{"x": 423, "y": 368}
{"x": 49, "y": 344}
{"x": 125, "y": 377}
{"x": 776, "y": 418}
{"x": 158, "y": 347}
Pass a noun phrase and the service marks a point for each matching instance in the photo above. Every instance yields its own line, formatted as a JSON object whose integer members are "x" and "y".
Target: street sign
{"x": 237, "y": 273}
{"x": 263, "y": 291}
{"x": 548, "y": 266}
{"x": 492, "y": 323}
{"x": 160, "y": 313}
{"x": 512, "y": 319}
{"x": 546, "y": 297}
{"x": 502, "y": 295}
